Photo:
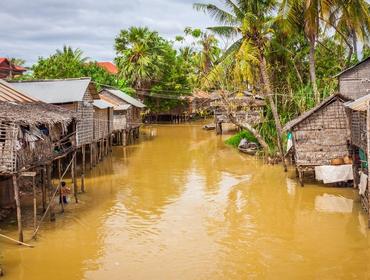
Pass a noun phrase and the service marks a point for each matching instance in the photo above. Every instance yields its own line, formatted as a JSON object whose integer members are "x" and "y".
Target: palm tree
{"x": 251, "y": 21}
{"x": 307, "y": 14}
{"x": 71, "y": 54}
{"x": 139, "y": 55}
{"x": 351, "y": 20}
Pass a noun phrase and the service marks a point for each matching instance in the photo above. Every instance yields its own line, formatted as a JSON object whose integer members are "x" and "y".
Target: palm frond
{"x": 218, "y": 14}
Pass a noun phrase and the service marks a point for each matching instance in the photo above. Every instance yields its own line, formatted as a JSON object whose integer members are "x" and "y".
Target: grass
{"x": 235, "y": 139}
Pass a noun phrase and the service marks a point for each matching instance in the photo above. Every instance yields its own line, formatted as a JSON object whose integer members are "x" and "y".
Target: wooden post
{"x": 368, "y": 156}
{"x": 50, "y": 188}
{"x": 34, "y": 203}
{"x": 91, "y": 156}
{"x": 18, "y": 204}
{"x": 43, "y": 189}
{"x": 60, "y": 189}
{"x": 83, "y": 168}
{"x": 74, "y": 178}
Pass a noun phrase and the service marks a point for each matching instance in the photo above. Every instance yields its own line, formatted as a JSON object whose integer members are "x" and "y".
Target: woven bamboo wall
{"x": 101, "y": 123}
{"x": 356, "y": 82}
{"x": 322, "y": 136}
{"x": 8, "y": 140}
{"x": 119, "y": 121}
{"x": 358, "y": 129}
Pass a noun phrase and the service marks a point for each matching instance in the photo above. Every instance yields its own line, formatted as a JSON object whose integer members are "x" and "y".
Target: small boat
{"x": 247, "y": 147}
{"x": 209, "y": 126}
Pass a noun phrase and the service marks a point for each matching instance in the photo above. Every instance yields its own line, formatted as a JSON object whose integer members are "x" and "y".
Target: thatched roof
{"x": 34, "y": 113}
{"x": 308, "y": 113}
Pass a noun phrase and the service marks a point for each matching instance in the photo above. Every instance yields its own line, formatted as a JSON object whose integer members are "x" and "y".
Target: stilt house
{"x": 73, "y": 94}
{"x": 320, "y": 135}
{"x": 354, "y": 83}
{"x": 32, "y": 135}
{"x": 126, "y": 113}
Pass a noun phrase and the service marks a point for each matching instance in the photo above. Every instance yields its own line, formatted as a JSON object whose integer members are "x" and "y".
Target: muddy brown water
{"x": 180, "y": 204}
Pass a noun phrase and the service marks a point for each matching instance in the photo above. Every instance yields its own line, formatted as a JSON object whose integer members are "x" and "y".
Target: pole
{"x": 18, "y": 204}
{"x": 83, "y": 169}
{"x": 50, "y": 187}
{"x": 60, "y": 182}
{"x": 34, "y": 203}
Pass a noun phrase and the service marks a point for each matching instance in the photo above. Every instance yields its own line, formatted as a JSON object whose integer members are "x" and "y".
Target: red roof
{"x": 109, "y": 66}
{"x": 15, "y": 67}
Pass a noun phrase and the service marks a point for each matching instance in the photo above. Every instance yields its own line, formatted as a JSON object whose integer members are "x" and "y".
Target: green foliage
{"x": 69, "y": 63}
{"x": 235, "y": 139}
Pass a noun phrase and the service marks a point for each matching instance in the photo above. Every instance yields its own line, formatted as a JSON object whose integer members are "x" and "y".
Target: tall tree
{"x": 252, "y": 22}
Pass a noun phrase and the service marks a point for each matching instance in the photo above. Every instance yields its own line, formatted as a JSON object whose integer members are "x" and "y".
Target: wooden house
{"x": 126, "y": 113}
{"x": 103, "y": 126}
{"x": 320, "y": 135}
{"x": 73, "y": 94}
{"x": 32, "y": 135}
{"x": 354, "y": 83}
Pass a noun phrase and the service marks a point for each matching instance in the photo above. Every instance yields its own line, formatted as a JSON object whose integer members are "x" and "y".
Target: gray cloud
{"x": 33, "y": 28}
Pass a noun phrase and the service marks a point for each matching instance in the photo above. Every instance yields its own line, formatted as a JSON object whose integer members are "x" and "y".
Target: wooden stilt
{"x": 300, "y": 177}
{"x": 18, "y": 205}
{"x": 43, "y": 189}
{"x": 50, "y": 191}
{"x": 83, "y": 168}
{"x": 60, "y": 189}
{"x": 91, "y": 155}
{"x": 74, "y": 179}
{"x": 34, "y": 203}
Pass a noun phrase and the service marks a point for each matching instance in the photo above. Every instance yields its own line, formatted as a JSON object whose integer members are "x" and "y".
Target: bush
{"x": 235, "y": 139}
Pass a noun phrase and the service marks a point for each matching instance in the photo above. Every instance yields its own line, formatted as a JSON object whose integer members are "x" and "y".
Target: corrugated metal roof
{"x": 9, "y": 93}
{"x": 55, "y": 91}
{"x": 122, "y": 107}
{"x": 101, "y": 104}
{"x": 360, "y": 104}
{"x": 124, "y": 96}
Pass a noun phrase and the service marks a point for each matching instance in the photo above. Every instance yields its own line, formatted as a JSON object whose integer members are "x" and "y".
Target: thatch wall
{"x": 27, "y": 133}
{"x": 322, "y": 136}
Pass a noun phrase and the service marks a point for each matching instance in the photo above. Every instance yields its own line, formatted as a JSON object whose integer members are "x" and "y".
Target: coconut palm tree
{"x": 351, "y": 19}
{"x": 251, "y": 22}
{"x": 307, "y": 14}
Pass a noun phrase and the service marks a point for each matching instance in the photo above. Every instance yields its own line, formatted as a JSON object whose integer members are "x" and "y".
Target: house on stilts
{"x": 127, "y": 117}
{"x": 354, "y": 83}
{"x": 320, "y": 136}
{"x": 33, "y": 136}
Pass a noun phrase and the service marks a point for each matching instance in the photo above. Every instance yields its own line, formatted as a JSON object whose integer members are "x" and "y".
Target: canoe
{"x": 249, "y": 151}
{"x": 209, "y": 127}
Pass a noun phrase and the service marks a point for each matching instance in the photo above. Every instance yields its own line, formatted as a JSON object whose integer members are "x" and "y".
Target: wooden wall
{"x": 323, "y": 136}
{"x": 355, "y": 83}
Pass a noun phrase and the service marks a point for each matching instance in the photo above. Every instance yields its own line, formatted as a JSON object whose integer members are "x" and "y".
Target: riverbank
{"x": 181, "y": 204}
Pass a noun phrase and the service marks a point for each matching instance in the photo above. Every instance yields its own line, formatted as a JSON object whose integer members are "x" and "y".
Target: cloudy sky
{"x": 33, "y": 28}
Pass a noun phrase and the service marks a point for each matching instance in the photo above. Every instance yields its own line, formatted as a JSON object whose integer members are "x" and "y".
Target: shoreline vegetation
{"x": 285, "y": 51}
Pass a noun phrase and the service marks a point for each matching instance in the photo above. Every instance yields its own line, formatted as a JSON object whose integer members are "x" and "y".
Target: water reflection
{"x": 182, "y": 205}
{"x": 333, "y": 204}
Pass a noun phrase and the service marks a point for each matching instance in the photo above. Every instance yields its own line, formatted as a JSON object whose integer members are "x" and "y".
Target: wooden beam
{"x": 60, "y": 182}
{"x": 50, "y": 188}
{"x": 18, "y": 205}
{"x": 83, "y": 168}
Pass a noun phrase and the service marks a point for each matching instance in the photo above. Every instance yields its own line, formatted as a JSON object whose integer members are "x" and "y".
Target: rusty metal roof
{"x": 9, "y": 93}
